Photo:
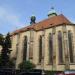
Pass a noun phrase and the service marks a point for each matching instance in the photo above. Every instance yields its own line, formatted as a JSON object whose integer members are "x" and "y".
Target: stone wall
{"x": 17, "y": 47}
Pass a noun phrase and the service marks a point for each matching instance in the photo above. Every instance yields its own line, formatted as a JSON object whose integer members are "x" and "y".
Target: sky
{"x": 15, "y": 14}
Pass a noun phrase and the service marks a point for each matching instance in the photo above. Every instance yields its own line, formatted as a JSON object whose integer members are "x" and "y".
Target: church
{"x": 49, "y": 44}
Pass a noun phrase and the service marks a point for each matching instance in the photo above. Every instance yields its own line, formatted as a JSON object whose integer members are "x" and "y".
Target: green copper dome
{"x": 52, "y": 12}
{"x": 33, "y": 18}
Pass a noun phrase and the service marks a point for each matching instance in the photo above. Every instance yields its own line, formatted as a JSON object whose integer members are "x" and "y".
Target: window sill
{"x": 49, "y": 64}
{"x": 39, "y": 64}
{"x": 65, "y": 64}
{"x": 61, "y": 64}
{"x": 72, "y": 63}
{"x": 30, "y": 57}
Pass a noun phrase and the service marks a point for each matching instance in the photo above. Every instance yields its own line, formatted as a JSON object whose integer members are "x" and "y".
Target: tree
{"x": 1, "y": 44}
{"x": 5, "y": 52}
{"x": 11, "y": 63}
{"x": 26, "y": 65}
{"x": 1, "y": 39}
{"x": 8, "y": 41}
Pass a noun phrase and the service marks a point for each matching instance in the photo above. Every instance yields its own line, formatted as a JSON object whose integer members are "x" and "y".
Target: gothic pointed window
{"x": 40, "y": 48}
{"x": 25, "y": 48}
{"x": 60, "y": 47}
{"x": 70, "y": 46}
{"x": 50, "y": 48}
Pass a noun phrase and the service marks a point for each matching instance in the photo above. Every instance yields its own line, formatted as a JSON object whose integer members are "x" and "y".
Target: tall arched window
{"x": 25, "y": 48}
{"x": 50, "y": 48}
{"x": 60, "y": 47}
{"x": 40, "y": 48}
{"x": 70, "y": 46}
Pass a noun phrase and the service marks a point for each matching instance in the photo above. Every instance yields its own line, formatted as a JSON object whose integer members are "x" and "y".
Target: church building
{"x": 49, "y": 44}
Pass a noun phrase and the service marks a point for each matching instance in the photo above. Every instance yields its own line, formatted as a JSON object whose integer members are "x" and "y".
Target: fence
{"x": 34, "y": 72}
{"x": 19, "y": 72}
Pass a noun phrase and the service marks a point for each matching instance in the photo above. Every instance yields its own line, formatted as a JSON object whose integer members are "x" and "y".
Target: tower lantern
{"x": 52, "y": 12}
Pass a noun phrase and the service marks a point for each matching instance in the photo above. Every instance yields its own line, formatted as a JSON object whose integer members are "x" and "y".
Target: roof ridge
{"x": 46, "y": 23}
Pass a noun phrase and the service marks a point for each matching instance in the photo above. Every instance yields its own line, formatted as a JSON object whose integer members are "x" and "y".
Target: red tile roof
{"x": 50, "y": 22}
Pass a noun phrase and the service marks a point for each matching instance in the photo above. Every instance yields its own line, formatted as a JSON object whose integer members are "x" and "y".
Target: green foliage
{"x": 50, "y": 72}
{"x": 11, "y": 63}
{"x": 5, "y": 52}
{"x": 1, "y": 39}
{"x": 0, "y": 61}
{"x": 8, "y": 41}
{"x": 26, "y": 65}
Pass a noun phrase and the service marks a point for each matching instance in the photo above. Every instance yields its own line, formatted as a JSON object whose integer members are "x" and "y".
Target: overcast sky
{"x": 15, "y": 14}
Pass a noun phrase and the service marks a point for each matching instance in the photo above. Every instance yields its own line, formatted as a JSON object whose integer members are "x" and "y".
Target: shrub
{"x": 26, "y": 65}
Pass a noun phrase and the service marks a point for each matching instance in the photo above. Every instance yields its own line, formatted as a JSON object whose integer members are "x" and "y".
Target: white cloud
{"x": 10, "y": 17}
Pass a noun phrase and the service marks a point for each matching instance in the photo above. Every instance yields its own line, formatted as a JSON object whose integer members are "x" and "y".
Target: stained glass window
{"x": 40, "y": 48}
{"x": 50, "y": 48}
{"x": 70, "y": 46}
{"x": 60, "y": 47}
{"x": 25, "y": 48}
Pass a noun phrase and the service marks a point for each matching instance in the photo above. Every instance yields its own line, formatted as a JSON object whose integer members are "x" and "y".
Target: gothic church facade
{"x": 49, "y": 44}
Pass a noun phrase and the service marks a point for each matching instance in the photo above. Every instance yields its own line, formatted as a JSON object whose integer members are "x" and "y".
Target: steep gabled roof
{"x": 50, "y": 22}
